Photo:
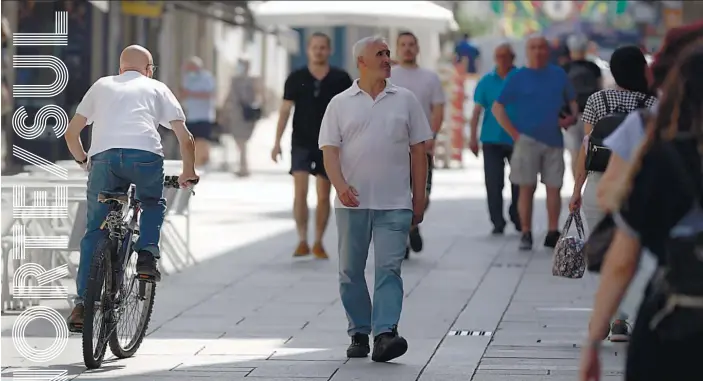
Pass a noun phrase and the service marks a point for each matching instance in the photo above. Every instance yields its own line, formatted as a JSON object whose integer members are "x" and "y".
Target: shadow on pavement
{"x": 256, "y": 312}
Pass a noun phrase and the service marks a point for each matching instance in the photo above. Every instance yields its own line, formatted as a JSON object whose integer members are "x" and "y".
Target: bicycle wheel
{"x": 96, "y": 323}
{"x": 135, "y": 304}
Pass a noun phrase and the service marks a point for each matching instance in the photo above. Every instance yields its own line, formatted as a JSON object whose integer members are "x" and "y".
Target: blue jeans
{"x": 355, "y": 229}
{"x": 113, "y": 171}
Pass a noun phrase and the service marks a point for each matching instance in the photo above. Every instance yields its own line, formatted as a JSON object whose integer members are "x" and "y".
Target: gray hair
{"x": 361, "y": 45}
{"x": 577, "y": 43}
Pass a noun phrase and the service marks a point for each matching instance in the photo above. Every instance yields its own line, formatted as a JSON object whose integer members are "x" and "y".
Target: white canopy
{"x": 391, "y": 14}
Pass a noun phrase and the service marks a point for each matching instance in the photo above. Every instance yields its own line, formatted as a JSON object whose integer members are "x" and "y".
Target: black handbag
{"x": 251, "y": 113}
{"x": 598, "y": 243}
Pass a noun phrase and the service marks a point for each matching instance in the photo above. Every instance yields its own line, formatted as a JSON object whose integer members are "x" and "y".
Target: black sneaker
{"x": 526, "y": 241}
{"x": 498, "y": 231}
{"x": 619, "y": 332}
{"x": 518, "y": 226}
{"x": 551, "y": 239}
{"x": 146, "y": 267}
{"x": 415, "y": 240}
{"x": 388, "y": 346}
{"x": 359, "y": 346}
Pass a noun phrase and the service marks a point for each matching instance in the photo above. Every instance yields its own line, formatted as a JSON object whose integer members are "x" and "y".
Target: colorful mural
{"x": 522, "y": 17}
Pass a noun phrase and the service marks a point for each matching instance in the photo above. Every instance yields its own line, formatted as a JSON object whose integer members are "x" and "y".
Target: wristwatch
{"x": 82, "y": 162}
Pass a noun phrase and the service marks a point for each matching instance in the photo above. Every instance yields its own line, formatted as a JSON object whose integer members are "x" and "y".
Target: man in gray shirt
{"x": 427, "y": 87}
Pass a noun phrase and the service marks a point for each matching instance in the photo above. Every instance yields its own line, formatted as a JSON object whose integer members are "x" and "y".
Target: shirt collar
{"x": 495, "y": 71}
{"x": 390, "y": 88}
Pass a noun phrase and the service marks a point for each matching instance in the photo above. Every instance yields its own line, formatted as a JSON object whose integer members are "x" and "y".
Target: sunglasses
{"x": 318, "y": 83}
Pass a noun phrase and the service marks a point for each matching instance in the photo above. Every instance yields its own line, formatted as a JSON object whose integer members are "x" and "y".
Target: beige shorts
{"x": 531, "y": 158}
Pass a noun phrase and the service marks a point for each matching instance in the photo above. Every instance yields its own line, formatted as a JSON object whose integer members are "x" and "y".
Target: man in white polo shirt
{"x": 373, "y": 136}
{"x": 125, "y": 149}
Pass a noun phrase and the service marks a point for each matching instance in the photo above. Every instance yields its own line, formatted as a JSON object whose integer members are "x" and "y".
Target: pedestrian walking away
{"x": 198, "y": 95}
{"x": 497, "y": 145}
{"x": 427, "y": 87}
{"x": 537, "y": 92}
{"x": 310, "y": 90}
{"x": 603, "y": 113}
{"x": 373, "y": 135}
{"x": 586, "y": 78}
{"x": 125, "y": 148}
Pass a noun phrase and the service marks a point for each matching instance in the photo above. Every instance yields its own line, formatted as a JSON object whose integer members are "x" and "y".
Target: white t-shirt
{"x": 424, "y": 83}
{"x": 374, "y": 137}
{"x": 126, "y": 110}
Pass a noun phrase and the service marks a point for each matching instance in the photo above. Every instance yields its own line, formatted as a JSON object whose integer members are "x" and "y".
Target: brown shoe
{"x": 302, "y": 250}
{"x": 75, "y": 321}
{"x": 318, "y": 251}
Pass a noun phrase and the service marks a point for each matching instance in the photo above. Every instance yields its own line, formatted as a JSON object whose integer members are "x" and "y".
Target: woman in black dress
{"x": 659, "y": 204}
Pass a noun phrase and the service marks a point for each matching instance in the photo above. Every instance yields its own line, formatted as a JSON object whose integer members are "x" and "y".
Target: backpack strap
{"x": 642, "y": 103}
{"x": 608, "y": 110}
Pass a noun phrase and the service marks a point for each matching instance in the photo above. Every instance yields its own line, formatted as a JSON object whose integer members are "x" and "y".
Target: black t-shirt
{"x": 311, "y": 97}
{"x": 660, "y": 196}
{"x": 595, "y": 69}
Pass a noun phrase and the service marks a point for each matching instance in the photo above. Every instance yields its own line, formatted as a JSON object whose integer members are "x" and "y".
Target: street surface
{"x": 248, "y": 310}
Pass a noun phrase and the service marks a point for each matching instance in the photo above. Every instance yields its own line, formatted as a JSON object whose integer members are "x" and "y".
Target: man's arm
{"x": 419, "y": 133}
{"x": 84, "y": 112}
{"x": 186, "y": 144}
{"x": 284, "y": 111}
{"x": 73, "y": 137}
{"x": 508, "y": 95}
{"x": 330, "y": 141}
{"x": 206, "y": 93}
{"x": 438, "y": 100}
{"x": 475, "y": 117}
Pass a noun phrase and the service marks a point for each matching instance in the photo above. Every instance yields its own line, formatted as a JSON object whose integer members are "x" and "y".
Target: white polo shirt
{"x": 126, "y": 110}
{"x": 374, "y": 137}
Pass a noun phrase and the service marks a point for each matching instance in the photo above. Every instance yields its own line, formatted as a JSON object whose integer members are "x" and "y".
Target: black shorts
{"x": 201, "y": 130}
{"x": 309, "y": 160}
{"x": 430, "y": 168}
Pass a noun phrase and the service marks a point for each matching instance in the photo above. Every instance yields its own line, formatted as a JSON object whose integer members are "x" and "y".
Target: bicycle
{"x": 110, "y": 288}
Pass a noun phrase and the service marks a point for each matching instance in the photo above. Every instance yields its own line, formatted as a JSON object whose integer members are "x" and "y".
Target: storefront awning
{"x": 235, "y": 13}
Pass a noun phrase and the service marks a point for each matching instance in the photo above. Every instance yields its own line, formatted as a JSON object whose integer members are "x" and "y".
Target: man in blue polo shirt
{"x": 537, "y": 93}
{"x": 497, "y": 144}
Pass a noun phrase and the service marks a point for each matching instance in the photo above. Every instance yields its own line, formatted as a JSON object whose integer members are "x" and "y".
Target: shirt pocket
{"x": 397, "y": 128}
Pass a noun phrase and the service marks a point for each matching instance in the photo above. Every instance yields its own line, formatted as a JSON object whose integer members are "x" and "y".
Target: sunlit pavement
{"x": 248, "y": 310}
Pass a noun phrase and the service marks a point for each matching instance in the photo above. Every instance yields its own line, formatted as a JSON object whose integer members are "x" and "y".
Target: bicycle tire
{"x": 100, "y": 275}
{"x": 145, "y": 317}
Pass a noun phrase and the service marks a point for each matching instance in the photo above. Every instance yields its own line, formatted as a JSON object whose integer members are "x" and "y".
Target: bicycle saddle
{"x": 120, "y": 197}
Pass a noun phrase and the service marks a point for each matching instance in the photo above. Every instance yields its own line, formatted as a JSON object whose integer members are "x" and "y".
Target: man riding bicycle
{"x": 126, "y": 111}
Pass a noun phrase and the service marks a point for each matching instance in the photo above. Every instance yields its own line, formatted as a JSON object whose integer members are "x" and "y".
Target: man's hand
{"x": 418, "y": 212}
{"x": 186, "y": 177}
{"x": 567, "y": 121}
{"x": 86, "y": 166}
{"x": 429, "y": 146}
{"x": 348, "y": 196}
{"x": 473, "y": 145}
{"x": 276, "y": 153}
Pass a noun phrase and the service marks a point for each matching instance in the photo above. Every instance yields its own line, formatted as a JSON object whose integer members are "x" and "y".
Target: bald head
{"x": 136, "y": 58}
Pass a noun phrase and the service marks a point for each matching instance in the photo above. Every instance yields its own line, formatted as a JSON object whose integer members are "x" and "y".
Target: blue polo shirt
{"x": 487, "y": 91}
{"x": 538, "y": 96}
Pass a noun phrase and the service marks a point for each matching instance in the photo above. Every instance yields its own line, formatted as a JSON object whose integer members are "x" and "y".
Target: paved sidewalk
{"x": 248, "y": 310}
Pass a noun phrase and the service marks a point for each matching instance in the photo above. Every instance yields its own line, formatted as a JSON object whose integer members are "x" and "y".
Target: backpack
{"x": 585, "y": 83}
{"x": 597, "y": 154}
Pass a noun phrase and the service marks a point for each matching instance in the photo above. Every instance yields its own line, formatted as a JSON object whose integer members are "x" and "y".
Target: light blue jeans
{"x": 113, "y": 171}
{"x": 389, "y": 230}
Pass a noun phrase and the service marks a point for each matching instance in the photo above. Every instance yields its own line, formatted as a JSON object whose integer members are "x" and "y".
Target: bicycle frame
{"x": 122, "y": 227}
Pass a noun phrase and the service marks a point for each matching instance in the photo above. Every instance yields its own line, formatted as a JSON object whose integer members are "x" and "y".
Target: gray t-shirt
{"x": 425, "y": 84}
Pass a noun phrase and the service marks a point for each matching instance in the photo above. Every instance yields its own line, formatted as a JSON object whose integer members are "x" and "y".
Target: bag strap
{"x": 642, "y": 103}
{"x": 608, "y": 110}
{"x": 575, "y": 217}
